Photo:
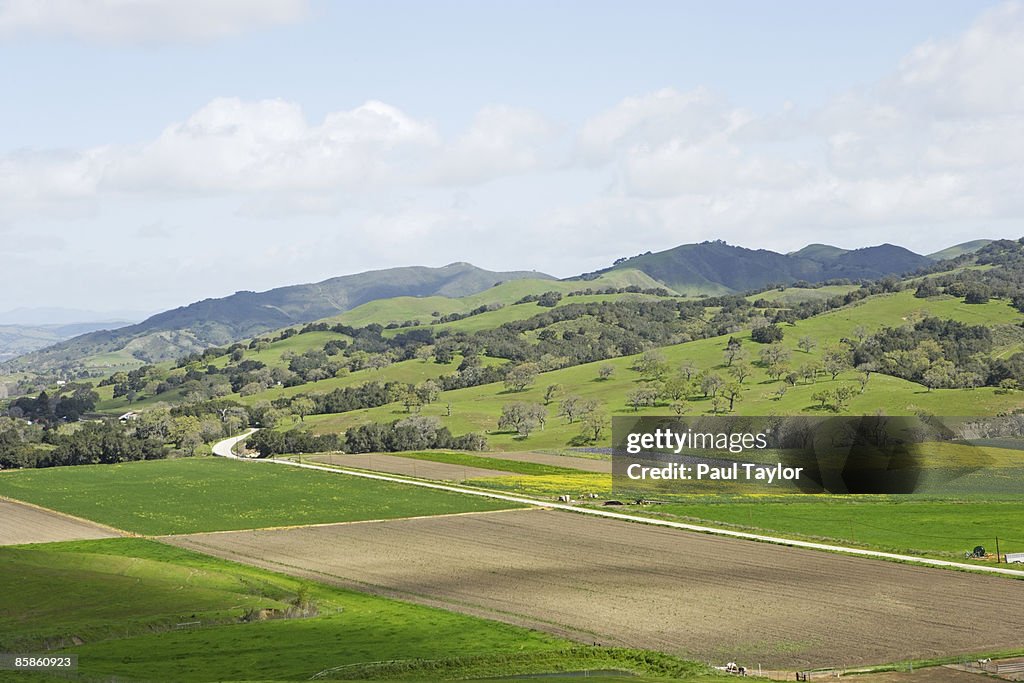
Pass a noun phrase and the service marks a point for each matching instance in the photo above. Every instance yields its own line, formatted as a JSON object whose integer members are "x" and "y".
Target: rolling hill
{"x": 708, "y": 268}
{"x": 959, "y": 250}
{"x": 244, "y": 314}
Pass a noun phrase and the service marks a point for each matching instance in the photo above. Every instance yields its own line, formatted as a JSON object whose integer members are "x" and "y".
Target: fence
{"x": 991, "y": 667}
{"x": 1008, "y": 668}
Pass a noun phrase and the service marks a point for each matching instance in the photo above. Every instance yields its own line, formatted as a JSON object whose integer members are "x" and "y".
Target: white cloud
{"x": 145, "y": 21}
{"x": 156, "y": 230}
{"x": 235, "y": 146}
{"x": 279, "y": 163}
{"x": 978, "y": 72}
{"x": 49, "y": 183}
{"x": 501, "y": 141}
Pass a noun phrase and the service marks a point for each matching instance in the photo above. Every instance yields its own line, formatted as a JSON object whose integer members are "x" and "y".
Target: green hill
{"x": 417, "y": 296}
{"x": 245, "y": 314}
{"x": 397, "y": 314}
{"x": 478, "y": 408}
{"x": 959, "y": 250}
{"x": 819, "y": 252}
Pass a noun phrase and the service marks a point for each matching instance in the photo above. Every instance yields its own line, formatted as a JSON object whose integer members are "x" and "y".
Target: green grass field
{"x": 116, "y": 604}
{"x": 936, "y": 528}
{"x": 190, "y": 495}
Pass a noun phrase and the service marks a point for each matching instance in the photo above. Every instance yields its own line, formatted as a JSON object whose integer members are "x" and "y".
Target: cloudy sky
{"x": 156, "y": 152}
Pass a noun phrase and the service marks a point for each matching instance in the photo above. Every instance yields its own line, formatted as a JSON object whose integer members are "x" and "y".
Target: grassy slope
{"x": 477, "y": 408}
{"x": 212, "y": 494}
{"x": 410, "y": 371}
{"x": 492, "y": 319}
{"x": 791, "y": 296}
{"x": 421, "y": 309}
{"x": 959, "y": 250}
{"x": 123, "y": 597}
{"x": 896, "y": 524}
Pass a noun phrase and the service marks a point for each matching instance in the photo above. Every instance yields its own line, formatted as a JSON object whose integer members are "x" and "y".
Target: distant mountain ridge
{"x": 52, "y": 316}
{"x": 245, "y": 314}
{"x": 16, "y": 340}
{"x": 826, "y": 252}
{"x": 708, "y": 268}
{"x": 720, "y": 268}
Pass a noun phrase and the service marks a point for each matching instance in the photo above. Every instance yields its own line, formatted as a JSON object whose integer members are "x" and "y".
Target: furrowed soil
{"x": 409, "y": 467}
{"x": 619, "y": 583}
{"x": 27, "y": 524}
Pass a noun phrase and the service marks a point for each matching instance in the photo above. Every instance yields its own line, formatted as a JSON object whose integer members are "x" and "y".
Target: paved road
{"x": 224, "y": 448}
{"x": 226, "y": 445}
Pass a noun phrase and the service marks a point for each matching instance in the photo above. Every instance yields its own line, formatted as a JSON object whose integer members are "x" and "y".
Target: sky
{"x": 159, "y": 152}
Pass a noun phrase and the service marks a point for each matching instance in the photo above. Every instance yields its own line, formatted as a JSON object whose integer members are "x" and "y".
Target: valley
{"x": 508, "y": 394}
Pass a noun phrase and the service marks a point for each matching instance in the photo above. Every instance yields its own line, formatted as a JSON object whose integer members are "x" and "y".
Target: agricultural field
{"x": 923, "y": 525}
{"x": 623, "y": 584}
{"x": 494, "y": 461}
{"x": 20, "y": 523}
{"x": 927, "y": 525}
{"x": 188, "y": 495}
{"x": 409, "y": 467}
{"x": 599, "y": 465}
{"x": 143, "y": 610}
{"x": 935, "y": 528}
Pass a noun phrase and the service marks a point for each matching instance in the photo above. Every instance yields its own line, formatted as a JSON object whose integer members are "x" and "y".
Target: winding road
{"x": 225, "y": 448}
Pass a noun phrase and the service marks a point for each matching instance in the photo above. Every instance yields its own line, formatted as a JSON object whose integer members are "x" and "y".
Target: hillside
{"x": 464, "y": 315}
{"x": 959, "y": 250}
{"x": 819, "y": 252}
{"x": 478, "y": 408}
{"x": 720, "y": 268}
{"x": 245, "y": 314}
{"x": 415, "y": 294}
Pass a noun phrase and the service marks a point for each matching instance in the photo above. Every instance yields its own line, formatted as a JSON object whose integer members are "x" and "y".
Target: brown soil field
{"x": 582, "y": 464}
{"x": 27, "y": 524}
{"x": 409, "y": 467}
{"x": 705, "y": 597}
